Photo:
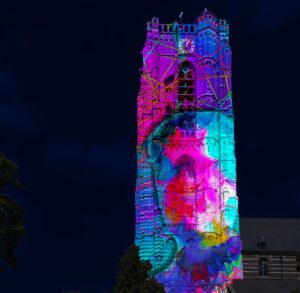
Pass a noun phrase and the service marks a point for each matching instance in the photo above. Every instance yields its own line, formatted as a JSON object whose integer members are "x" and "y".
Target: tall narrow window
{"x": 264, "y": 267}
{"x": 186, "y": 82}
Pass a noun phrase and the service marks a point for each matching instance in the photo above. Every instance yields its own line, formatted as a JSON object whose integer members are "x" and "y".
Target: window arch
{"x": 264, "y": 267}
{"x": 186, "y": 82}
{"x": 186, "y": 165}
{"x": 155, "y": 72}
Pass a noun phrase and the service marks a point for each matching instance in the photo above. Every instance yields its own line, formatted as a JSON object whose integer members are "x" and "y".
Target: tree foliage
{"x": 11, "y": 215}
{"x": 132, "y": 275}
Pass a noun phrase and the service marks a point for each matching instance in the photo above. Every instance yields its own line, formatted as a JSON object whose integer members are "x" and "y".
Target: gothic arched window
{"x": 186, "y": 82}
{"x": 264, "y": 267}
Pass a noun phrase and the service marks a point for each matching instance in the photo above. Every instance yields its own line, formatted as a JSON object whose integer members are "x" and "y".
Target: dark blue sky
{"x": 68, "y": 85}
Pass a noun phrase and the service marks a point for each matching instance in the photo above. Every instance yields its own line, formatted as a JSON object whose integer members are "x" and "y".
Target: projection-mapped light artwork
{"x": 187, "y": 221}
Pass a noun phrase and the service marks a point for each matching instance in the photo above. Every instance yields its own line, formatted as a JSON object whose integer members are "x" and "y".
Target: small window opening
{"x": 264, "y": 267}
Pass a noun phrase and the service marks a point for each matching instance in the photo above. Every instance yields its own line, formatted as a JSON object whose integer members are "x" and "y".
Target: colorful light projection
{"x": 187, "y": 221}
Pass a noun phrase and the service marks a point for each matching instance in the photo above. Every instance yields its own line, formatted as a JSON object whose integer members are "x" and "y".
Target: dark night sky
{"x": 68, "y": 85}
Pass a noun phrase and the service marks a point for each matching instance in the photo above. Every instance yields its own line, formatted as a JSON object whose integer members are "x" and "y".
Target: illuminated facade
{"x": 187, "y": 221}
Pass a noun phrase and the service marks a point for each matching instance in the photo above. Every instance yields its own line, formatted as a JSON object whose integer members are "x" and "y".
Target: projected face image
{"x": 198, "y": 202}
{"x": 187, "y": 221}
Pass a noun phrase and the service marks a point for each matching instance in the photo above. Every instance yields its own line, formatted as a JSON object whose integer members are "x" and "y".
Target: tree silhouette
{"x": 132, "y": 275}
{"x": 11, "y": 215}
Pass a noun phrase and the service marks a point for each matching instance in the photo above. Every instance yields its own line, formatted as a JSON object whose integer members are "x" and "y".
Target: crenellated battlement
{"x": 204, "y": 21}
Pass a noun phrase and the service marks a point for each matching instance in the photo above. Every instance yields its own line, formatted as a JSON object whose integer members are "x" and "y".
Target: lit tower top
{"x": 204, "y": 47}
{"x": 187, "y": 220}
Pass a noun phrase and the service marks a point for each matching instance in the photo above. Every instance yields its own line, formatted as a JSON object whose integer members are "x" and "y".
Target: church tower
{"x": 187, "y": 221}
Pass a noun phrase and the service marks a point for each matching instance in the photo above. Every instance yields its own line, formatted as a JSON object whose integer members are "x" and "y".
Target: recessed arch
{"x": 264, "y": 267}
{"x": 186, "y": 82}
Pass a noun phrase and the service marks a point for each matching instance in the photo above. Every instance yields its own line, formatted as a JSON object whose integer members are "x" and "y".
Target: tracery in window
{"x": 186, "y": 82}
